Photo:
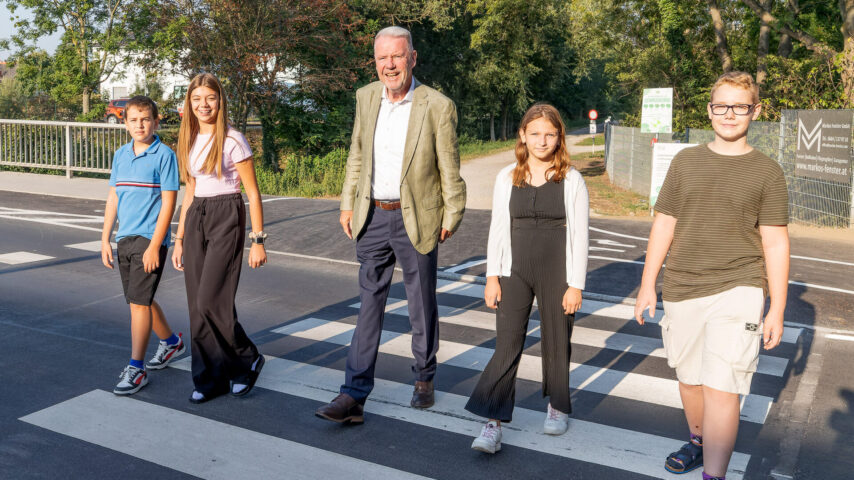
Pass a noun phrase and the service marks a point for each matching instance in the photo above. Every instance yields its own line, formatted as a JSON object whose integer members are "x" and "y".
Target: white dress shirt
{"x": 389, "y": 143}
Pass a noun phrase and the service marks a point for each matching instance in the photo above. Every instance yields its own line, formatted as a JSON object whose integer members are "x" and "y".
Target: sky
{"x": 7, "y": 29}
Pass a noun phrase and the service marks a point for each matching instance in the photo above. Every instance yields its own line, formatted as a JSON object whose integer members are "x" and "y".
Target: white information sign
{"x": 662, "y": 155}
{"x": 657, "y": 111}
{"x": 592, "y": 127}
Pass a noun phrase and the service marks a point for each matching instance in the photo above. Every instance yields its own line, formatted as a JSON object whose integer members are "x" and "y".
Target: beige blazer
{"x": 432, "y": 193}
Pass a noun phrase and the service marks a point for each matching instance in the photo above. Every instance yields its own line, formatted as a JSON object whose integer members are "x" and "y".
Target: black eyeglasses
{"x": 739, "y": 109}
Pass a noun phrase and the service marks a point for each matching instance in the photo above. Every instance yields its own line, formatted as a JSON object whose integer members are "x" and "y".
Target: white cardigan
{"x": 498, "y": 256}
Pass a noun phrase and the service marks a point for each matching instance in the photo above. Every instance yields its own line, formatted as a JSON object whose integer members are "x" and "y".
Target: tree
{"x": 284, "y": 60}
{"x": 720, "y": 36}
{"x": 844, "y": 56}
{"x": 95, "y": 30}
{"x": 514, "y": 55}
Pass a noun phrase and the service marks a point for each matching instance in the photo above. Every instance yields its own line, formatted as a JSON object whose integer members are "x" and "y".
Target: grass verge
{"x": 599, "y": 139}
{"x": 478, "y": 148}
{"x": 606, "y": 198}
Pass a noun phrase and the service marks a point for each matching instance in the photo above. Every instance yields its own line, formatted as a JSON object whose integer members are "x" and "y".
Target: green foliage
{"x": 804, "y": 83}
{"x": 473, "y": 148}
{"x": 12, "y": 98}
{"x": 96, "y": 113}
{"x": 304, "y": 175}
{"x": 151, "y": 87}
{"x": 94, "y": 32}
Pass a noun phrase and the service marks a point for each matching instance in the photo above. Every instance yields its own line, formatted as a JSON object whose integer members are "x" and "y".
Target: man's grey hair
{"x": 396, "y": 32}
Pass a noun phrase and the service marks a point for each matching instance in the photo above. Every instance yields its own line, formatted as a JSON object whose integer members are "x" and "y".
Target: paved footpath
{"x": 479, "y": 173}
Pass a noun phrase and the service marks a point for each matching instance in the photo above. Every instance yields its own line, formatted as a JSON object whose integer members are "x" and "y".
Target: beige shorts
{"x": 715, "y": 340}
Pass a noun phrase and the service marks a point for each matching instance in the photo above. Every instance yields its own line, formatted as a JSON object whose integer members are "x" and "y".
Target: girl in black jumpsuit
{"x": 538, "y": 217}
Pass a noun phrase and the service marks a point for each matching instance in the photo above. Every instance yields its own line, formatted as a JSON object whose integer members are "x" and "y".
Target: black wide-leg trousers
{"x": 538, "y": 271}
{"x": 213, "y": 255}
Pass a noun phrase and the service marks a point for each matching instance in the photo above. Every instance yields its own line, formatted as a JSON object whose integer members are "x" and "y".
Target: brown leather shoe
{"x": 343, "y": 409}
{"x": 422, "y": 397}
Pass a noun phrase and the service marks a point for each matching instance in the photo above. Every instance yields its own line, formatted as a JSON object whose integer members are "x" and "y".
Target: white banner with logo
{"x": 657, "y": 111}
{"x": 662, "y": 156}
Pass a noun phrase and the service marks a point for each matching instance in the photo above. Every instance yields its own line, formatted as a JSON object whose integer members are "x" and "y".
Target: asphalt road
{"x": 64, "y": 336}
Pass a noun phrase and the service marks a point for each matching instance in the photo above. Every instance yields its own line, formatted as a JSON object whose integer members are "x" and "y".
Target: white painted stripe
{"x": 591, "y": 337}
{"x": 16, "y": 258}
{"x": 590, "y": 307}
{"x": 94, "y": 246}
{"x": 196, "y": 445}
{"x": 637, "y": 452}
{"x": 463, "y": 266}
{"x": 60, "y": 224}
{"x": 311, "y": 257}
{"x": 821, "y": 287}
{"x": 21, "y": 211}
{"x": 592, "y": 229}
{"x": 612, "y": 259}
{"x": 605, "y": 249}
{"x": 611, "y": 243}
{"x": 822, "y": 260}
{"x": 72, "y": 220}
{"x": 835, "y": 336}
{"x": 268, "y": 200}
{"x": 632, "y": 386}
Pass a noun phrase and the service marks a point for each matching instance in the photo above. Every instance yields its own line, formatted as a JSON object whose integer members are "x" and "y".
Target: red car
{"x": 116, "y": 110}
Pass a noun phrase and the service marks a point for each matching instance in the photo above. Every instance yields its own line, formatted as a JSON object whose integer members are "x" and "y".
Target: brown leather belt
{"x": 388, "y": 204}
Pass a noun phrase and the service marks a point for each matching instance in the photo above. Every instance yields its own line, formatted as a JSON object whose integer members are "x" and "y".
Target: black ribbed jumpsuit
{"x": 538, "y": 246}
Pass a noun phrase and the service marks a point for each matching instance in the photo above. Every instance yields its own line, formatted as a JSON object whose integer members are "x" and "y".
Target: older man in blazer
{"x": 402, "y": 195}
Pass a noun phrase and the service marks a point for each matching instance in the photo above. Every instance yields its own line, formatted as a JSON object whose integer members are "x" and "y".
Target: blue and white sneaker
{"x": 131, "y": 381}
{"x": 166, "y": 353}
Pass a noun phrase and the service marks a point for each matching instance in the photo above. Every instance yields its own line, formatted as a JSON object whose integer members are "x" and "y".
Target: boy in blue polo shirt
{"x": 143, "y": 190}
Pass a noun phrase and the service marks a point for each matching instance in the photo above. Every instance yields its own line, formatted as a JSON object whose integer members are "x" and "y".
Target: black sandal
{"x": 688, "y": 458}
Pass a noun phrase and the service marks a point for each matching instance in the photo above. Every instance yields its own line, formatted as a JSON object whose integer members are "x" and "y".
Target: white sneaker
{"x": 131, "y": 380}
{"x": 489, "y": 440}
{"x": 556, "y": 422}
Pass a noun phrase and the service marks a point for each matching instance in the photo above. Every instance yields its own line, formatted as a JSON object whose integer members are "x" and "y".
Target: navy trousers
{"x": 382, "y": 242}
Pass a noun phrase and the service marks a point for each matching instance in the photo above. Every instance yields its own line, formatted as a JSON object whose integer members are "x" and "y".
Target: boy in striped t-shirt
{"x": 143, "y": 190}
{"x": 722, "y": 213}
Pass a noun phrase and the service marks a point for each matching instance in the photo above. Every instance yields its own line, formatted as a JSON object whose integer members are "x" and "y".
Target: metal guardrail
{"x": 69, "y": 146}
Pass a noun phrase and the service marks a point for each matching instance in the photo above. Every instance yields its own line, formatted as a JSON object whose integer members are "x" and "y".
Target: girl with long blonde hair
{"x": 537, "y": 248}
{"x": 214, "y": 160}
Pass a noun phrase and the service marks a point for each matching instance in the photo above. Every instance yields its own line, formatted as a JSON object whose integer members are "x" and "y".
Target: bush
{"x": 305, "y": 176}
{"x": 96, "y": 113}
{"x": 12, "y": 98}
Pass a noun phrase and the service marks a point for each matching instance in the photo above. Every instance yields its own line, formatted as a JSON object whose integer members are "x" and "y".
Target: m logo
{"x": 809, "y": 138}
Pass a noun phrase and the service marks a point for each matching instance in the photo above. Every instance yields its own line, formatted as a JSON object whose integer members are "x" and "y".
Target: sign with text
{"x": 662, "y": 155}
{"x": 824, "y": 145}
{"x": 657, "y": 111}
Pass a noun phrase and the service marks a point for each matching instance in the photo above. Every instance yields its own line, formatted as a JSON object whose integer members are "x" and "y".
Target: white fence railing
{"x": 69, "y": 146}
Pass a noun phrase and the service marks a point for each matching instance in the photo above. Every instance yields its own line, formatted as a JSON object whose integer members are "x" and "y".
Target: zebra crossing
{"x": 25, "y": 257}
{"x": 466, "y": 346}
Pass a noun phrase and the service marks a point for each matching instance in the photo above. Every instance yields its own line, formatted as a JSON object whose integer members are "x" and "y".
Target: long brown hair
{"x": 560, "y": 160}
{"x": 190, "y": 128}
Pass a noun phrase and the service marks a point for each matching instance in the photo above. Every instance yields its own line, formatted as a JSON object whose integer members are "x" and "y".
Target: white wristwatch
{"x": 258, "y": 237}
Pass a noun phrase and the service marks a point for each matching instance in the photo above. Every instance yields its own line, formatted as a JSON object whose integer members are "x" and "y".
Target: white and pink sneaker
{"x": 556, "y": 422}
{"x": 489, "y": 440}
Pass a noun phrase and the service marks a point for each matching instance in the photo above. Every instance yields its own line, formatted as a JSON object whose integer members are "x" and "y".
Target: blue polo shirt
{"x": 138, "y": 180}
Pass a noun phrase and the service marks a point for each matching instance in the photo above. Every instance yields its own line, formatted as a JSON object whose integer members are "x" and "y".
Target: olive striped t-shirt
{"x": 719, "y": 202}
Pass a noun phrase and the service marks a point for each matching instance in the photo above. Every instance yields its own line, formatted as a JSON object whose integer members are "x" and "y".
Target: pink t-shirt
{"x": 234, "y": 150}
